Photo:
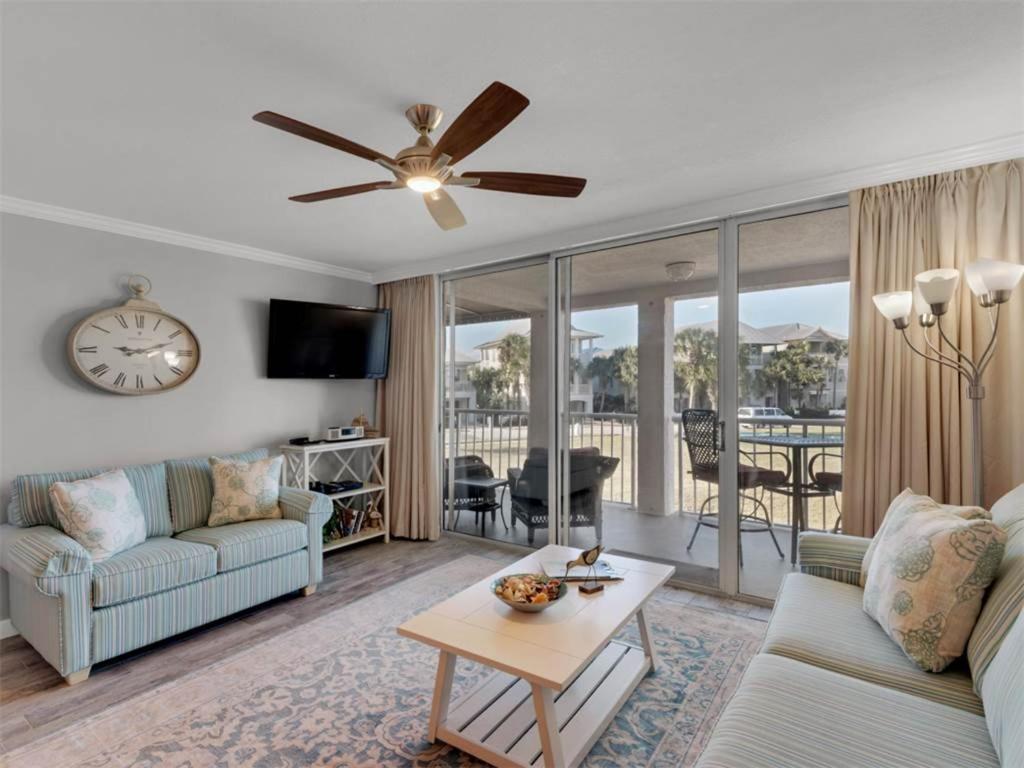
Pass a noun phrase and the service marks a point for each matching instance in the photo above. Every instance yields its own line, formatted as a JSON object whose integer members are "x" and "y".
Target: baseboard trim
{"x": 7, "y": 629}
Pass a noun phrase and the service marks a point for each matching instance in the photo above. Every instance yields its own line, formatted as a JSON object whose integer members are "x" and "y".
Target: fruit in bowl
{"x": 528, "y": 592}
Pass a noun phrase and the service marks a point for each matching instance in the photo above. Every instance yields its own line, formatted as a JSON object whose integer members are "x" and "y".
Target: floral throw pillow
{"x": 101, "y": 513}
{"x": 244, "y": 490}
{"x": 930, "y": 568}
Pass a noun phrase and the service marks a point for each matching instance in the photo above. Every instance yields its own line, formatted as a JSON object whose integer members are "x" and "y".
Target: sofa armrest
{"x": 314, "y": 510}
{"x": 50, "y": 594}
{"x": 832, "y": 556}
{"x": 41, "y": 552}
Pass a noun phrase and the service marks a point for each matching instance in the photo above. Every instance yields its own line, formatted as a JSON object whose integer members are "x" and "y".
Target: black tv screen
{"x": 327, "y": 341}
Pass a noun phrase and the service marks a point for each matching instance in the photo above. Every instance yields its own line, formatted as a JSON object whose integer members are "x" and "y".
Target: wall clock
{"x": 135, "y": 348}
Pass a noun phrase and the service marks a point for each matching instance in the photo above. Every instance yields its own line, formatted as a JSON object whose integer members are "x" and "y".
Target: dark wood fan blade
{"x": 491, "y": 111}
{"x": 313, "y": 133}
{"x": 528, "y": 183}
{"x": 330, "y": 194}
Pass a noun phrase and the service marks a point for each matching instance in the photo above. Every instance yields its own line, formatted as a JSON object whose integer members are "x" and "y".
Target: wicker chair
{"x": 528, "y": 488}
{"x": 829, "y": 482}
{"x": 700, "y": 428}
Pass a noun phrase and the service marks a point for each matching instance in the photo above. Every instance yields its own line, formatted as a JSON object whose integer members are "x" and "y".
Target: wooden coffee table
{"x": 559, "y": 677}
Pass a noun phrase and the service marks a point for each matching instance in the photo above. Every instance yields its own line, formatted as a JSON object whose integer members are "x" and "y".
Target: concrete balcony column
{"x": 654, "y": 473}
{"x": 540, "y": 380}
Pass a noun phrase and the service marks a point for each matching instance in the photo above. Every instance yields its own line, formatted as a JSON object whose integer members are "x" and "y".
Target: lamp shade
{"x": 988, "y": 276}
{"x": 921, "y": 307}
{"x": 937, "y": 286}
{"x": 895, "y": 305}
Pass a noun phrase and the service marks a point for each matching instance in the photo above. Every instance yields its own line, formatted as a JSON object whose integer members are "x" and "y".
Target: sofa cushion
{"x": 190, "y": 483}
{"x": 31, "y": 505}
{"x": 153, "y": 566}
{"x": 1006, "y": 595}
{"x": 930, "y": 570}
{"x": 241, "y": 544}
{"x": 245, "y": 490}
{"x": 101, "y": 513}
{"x": 1003, "y": 694}
{"x": 793, "y": 715}
{"x": 821, "y": 622}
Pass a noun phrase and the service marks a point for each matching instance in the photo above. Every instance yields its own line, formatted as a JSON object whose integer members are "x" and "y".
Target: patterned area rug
{"x": 346, "y": 690}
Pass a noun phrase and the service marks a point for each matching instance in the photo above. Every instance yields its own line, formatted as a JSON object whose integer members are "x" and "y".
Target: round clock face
{"x": 133, "y": 351}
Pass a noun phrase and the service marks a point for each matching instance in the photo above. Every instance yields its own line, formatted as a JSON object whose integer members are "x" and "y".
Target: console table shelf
{"x": 366, "y": 461}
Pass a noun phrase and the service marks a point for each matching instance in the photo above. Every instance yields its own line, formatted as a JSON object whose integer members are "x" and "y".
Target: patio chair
{"x": 528, "y": 489}
{"x": 829, "y": 482}
{"x": 700, "y": 428}
{"x": 476, "y": 500}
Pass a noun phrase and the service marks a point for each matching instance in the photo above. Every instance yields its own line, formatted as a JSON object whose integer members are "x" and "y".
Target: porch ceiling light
{"x": 678, "y": 271}
{"x": 937, "y": 287}
{"x": 895, "y": 306}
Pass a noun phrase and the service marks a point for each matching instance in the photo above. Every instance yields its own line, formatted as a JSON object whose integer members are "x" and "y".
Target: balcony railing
{"x": 501, "y": 439}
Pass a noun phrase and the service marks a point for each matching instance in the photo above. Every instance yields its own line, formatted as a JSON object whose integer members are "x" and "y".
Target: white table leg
{"x": 442, "y": 692}
{"x": 646, "y": 639}
{"x": 547, "y": 724}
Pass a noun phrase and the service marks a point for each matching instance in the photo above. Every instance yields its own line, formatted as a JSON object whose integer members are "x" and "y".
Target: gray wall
{"x": 51, "y": 275}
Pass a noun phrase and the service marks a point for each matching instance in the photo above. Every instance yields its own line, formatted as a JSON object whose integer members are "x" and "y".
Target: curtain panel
{"x": 407, "y": 407}
{"x": 908, "y": 420}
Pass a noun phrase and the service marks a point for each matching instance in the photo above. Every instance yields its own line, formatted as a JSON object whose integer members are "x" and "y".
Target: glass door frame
{"x": 559, "y": 303}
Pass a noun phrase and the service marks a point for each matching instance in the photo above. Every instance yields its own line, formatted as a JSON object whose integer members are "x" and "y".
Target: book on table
{"x": 601, "y": 571}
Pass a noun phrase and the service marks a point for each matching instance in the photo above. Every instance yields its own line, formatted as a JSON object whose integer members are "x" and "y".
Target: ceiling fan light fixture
{"x": 422, "y": 183}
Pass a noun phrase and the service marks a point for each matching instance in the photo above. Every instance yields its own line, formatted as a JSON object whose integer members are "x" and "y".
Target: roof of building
{"x": 577, "y": 333}
{"x": 769, "y": 335}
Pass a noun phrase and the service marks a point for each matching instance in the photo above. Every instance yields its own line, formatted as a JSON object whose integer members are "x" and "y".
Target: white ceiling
{"x": 142, "y": 111}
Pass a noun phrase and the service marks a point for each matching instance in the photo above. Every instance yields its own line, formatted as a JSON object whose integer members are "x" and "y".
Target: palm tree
{"x": 602, "y": 368}
{"x": 696, "y": 363}
{"x": 514, "y": 356}
{"x": 627, "y": 370}
{"x": 837, "y": 349}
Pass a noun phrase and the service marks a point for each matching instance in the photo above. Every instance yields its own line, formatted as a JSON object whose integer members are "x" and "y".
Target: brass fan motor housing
{"x": 424, "y": 117}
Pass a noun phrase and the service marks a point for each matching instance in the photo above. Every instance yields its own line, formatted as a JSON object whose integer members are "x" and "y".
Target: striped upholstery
{"x": 42, "y": 551}
{"x": 1006, "y": 595}
{"x": 190, "y": 483}
{"x": 240, "y": 544}
{"x": 823, "y": 623}
{"x": 1003, "y": 693}
{"x": 30, "y": 503}
{"x": 49, "y": 593}
{"x": 832, "y": 556}
{"x": 312, "y": 510}
{"x": 792, "y": 715}
{"x": 127, "y": 626}
{"x": 154, "y": 566}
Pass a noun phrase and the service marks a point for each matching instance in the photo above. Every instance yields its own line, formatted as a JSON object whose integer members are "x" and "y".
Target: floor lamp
{"x": 991, "y": 282}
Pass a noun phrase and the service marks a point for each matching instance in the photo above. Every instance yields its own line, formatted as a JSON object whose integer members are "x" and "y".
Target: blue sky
{"x": 825, "y": 305}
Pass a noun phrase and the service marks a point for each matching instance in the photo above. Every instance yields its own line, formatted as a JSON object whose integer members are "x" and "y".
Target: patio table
{"x": 798, "y": 490}
{"x": 482, "y": 508}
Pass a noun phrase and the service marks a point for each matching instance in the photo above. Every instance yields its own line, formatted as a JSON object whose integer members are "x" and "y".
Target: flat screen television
{"x": 327, "y": 341}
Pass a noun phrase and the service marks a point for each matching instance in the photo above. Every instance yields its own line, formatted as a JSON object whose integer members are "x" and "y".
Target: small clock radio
{"x": 344, "y": 433}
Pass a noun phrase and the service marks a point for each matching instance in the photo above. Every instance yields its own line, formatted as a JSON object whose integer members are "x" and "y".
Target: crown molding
{"x": 75, "y": 218}
{"x": 991, "y": 151}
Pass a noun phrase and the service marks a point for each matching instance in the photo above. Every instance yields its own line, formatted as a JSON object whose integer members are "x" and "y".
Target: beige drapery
{"x": 407, "y": 407}
{"x": 908, "y": 421}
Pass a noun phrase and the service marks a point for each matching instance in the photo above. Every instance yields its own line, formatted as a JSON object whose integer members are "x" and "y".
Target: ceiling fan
{"x": 426, "y": 167}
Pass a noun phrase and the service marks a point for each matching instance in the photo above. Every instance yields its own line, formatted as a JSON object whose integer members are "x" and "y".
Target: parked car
{"x": 763, "y": 412}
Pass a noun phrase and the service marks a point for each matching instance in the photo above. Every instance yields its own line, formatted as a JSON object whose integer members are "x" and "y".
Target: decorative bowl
{"x": 526, "y": 607}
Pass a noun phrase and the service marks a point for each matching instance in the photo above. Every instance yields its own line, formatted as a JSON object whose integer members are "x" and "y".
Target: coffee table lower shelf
{"x": 498, "y": 721}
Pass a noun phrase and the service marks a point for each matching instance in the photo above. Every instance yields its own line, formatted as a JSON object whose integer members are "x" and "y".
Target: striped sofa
{"x": 77, "y": 613}
{"x": 829, "y": 689}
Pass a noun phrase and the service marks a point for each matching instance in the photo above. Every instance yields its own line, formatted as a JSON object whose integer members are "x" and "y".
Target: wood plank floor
{"x": 34, "y": 701}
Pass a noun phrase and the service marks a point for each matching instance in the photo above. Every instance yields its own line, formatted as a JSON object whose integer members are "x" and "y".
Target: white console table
{"x": 365, "y": 460}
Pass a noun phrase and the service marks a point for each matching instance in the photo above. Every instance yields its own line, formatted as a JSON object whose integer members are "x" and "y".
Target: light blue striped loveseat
{"x": 77, "y": 613}
{"x": 829, "y": 689}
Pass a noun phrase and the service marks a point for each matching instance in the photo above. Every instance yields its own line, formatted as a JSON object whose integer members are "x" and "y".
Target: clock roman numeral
{"x": 184, "y": 353}
{"x": 87, "y": 349}
{"x": 138, "y": 381}
{"x": 158, "y": 321}
{"x": 119, "y": 381}
{"x": 176, "y": 333}
{"x": 140, "y": 321}
{"x": 99, "y": 370}
{"x": 176, "y": 370}
{"x": 99, "y": 329}
{"x": 157, "y": 379}
{"x": 121, "y": 320}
